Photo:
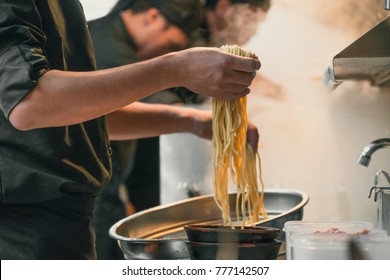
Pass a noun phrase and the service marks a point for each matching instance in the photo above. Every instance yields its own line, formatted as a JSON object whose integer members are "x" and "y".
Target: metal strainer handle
{"x": 376, "y": 181}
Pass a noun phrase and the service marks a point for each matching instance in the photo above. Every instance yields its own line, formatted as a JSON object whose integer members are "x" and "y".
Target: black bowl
{"x": 222, "y": 234}
{"x": 234, "y": 251}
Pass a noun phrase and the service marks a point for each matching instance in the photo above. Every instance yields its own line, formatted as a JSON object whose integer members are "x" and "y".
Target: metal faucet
{"x": 371, "y": 148}
{"x": 387, "y": 4}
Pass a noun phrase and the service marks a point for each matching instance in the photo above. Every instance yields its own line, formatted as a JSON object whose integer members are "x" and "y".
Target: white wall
{"x": 96, "y": 8}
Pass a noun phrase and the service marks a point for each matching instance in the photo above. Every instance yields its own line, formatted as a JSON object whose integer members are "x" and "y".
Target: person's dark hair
{"x": 185, "y": 14}
{"x": 263, "y": 4}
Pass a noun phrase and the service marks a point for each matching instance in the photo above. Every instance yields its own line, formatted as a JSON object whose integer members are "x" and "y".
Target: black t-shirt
{"x": 111, "y": 42}
{"x": 43, "y": 164}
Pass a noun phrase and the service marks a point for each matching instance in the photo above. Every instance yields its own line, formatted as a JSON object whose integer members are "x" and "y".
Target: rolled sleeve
{"x": 20, "y": 70}
{"x": 22, "y": 59}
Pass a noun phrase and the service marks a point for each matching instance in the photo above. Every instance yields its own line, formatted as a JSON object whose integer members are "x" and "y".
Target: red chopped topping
{"x": 363, "y": 231}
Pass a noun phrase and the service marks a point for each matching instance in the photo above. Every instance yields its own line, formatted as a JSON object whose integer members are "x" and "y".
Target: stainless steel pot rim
{"x": 148, "y": 241}
{"x": 113, "y": 229}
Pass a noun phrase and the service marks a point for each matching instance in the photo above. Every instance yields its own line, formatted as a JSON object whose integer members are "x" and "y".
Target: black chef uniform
{"x": 50, "y": 176}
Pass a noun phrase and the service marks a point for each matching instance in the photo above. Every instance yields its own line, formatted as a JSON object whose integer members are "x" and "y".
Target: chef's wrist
{"x": 200, "y": 123}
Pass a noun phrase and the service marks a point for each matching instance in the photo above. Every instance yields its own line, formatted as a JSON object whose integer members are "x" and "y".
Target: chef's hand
{"x": 214, "y": 73}
{"x": 202, "y": 123}
{"x": 252, "y": 136}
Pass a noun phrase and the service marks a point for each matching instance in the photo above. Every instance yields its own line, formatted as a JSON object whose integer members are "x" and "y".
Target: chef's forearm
{"x": 65, "y": 98}
{"x": 140, "y": 120}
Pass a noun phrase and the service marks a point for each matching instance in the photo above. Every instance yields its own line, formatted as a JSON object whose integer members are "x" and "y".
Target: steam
{"x": 241, "y": 24}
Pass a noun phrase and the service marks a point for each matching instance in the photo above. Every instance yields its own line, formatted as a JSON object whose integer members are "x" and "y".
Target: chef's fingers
{"x": 253, "y": 136}
{"x": 245, "y": 64}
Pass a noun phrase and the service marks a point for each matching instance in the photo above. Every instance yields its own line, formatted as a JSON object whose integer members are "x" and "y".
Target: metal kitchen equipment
{"x": 158, "y": 233}
{"x": 382, "y": 197}
{"x": 383, "y": 211}
{"x": 370, "y": 149}
{"x": 368, "y": 58}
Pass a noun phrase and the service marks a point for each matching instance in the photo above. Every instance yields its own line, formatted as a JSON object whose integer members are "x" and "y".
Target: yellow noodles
{"x": 232, "y": 152}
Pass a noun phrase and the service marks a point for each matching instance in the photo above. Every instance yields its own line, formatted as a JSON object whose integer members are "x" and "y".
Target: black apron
{"x": 59, "y": 229}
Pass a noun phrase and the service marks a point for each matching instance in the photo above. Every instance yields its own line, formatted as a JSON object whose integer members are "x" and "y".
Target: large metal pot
{"x": 158, "y": 233}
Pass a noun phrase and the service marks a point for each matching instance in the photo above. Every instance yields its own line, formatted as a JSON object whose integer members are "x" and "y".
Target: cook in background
{"x": 54, "y": 141}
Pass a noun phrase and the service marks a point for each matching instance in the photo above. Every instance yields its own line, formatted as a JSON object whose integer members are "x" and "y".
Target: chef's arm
{"x": 64, "y": 98}
{"x": 140, "y": 120}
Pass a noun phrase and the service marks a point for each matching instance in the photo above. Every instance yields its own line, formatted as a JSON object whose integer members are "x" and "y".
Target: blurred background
{"x": 311, "y": 135}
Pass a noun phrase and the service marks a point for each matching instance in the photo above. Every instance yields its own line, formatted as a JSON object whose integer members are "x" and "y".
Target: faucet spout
{"x": 365, "y": 157}
{"x": 387, "y": 4}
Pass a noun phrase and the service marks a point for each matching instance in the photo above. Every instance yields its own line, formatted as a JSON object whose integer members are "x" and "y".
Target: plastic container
{"x": 374, "y": 247}
{"x": 324, "y": 240}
